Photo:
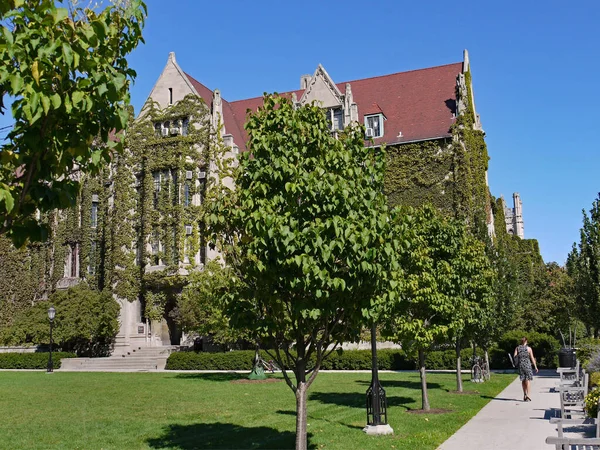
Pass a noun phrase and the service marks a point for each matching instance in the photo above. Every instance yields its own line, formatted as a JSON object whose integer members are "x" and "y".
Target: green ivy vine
{"x": 447, "y": 173}
{"x": 132, "y": 216}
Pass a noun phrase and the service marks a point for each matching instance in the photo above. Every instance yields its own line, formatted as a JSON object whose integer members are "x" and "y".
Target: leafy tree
{"x": 552, "y": 305}
{"x": 473, "y": 278}
{"x": 436, "y": 298}
{"x": 86, "y": 322}
{"x": 201, "y": 307}
{"x": 67, "y": 71}
{"x": 307, "y": 233}
{"x": 583, "y": 265}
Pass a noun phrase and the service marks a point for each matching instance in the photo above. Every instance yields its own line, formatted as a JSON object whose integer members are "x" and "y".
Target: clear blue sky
{"x": 535, "y": 67}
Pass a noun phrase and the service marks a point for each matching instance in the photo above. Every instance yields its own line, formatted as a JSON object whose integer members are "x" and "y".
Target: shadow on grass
{"x": 223, "y": 436}
{"x": 355, "y": 400}
{"x": 335, "y": 422}
{"x": 212, "y": 376}
{"x": 402, "y": 384}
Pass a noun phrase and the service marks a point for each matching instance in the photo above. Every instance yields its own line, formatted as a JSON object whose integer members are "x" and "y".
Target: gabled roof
{"x": 232, "y": 125}
{"x": 418, "y": 105}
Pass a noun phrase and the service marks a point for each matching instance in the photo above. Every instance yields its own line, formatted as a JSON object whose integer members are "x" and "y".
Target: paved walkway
{"x": 507, "y": 422}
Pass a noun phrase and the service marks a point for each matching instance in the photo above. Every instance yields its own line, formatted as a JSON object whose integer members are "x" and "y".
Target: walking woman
{"x": 526, "y": 358}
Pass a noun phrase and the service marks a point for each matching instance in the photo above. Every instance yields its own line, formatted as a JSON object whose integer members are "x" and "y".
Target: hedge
{"x": 387, "y": 359}
{"x": 545, "y": 349}
{"x": 31, "y": 360}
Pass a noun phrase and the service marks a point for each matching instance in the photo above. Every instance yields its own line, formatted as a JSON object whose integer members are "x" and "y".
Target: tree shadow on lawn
{"x": 223, "y": 436}
{"x": 335, "y": 422}
{"x": 402, "y": 384}
{"x": 356, "y": 400}
{"x": 229, "y": 376}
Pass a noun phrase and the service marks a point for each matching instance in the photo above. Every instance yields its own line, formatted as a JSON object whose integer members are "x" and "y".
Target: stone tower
{"x": 514, "y": 216}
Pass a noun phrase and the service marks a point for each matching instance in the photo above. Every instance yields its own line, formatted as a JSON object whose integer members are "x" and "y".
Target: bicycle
{"x": 268, "y": 366}
{"x": 479, "y": 370}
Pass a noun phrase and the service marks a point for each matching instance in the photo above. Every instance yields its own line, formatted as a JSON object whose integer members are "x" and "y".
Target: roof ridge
{"x": 358, "y": 79}
{"x": 398, "y": 73}
{"x": 204, "y": 86}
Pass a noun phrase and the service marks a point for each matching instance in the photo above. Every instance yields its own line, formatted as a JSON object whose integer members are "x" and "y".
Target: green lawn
{"x": 187, "y": 411}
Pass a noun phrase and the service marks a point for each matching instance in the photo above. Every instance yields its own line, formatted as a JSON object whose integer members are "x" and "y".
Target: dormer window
{"x": 374, "y": 125}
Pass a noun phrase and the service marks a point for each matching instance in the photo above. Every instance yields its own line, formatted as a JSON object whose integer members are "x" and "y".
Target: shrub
{"x": 499, "y": 358}
{"x": 545, "y": 347}
{"x": 31, "y": 360}
{"x": 387, "y": 359}
{"x": 236, "y": 360}
{"x": 593, "y": 363}
{"x": 86, "y": 322}
{"x": 595, "y": 379}
{"x": 591, "y": 403}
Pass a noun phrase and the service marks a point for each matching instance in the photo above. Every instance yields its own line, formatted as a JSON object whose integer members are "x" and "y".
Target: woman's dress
{"x": 525, "y": 372}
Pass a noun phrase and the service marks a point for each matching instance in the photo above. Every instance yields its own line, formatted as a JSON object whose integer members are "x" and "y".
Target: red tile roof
{"x": 418, "y": 104}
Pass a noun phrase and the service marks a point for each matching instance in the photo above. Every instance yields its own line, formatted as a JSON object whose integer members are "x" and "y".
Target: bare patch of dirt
{"x": 247, "y": 381}
{"x": 464, "y": 392}
{"x": 431, "y": 411}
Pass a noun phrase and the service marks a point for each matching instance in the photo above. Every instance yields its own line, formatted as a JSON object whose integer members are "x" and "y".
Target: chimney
{"x": 304, "y": 80}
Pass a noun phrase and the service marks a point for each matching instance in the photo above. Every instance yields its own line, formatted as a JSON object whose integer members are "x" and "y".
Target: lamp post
{"x": 51, "y": 314}
{"x": 376, "y": 399}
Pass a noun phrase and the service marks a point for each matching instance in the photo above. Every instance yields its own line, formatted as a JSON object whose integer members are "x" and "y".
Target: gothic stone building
{"x": 137, "y": 230}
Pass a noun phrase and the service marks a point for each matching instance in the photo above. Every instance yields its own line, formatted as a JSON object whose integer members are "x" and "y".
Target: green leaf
{"x": 60, "y": 14}
{"x": 67, "y": 54}
{"x": 5, "y": 195}
{"x": 45, "y": 103}
{"x": 16, "y": 84}
{"x": 77, "y": 97}
{"x": 8, "y": 35}
{"x": 56, "y": 101}
{"x": 96, "y": 157}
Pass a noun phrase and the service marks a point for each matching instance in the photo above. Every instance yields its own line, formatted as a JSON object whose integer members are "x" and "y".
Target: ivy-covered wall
{"x": 148, "y": 219}
{"x": 420, "y": 173}
{"x": 448, "y": 173}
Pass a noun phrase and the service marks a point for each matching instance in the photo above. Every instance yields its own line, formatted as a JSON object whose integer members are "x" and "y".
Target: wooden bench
{"x": 561, "y": 423}
{"x": 574, "y": 443}
{"x": 560, "y": 442}
{"x": 572, "y": 401}
{"x": 569, "y": 375}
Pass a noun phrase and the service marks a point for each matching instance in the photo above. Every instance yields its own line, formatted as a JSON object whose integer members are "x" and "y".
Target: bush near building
{"x": 31, "y": 360}
{"x": 86, "y": 322}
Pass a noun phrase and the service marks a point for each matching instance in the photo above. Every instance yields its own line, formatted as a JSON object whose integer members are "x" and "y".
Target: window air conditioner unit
{"x": 202, "y": 175}
{"x": 189, "y": 174}
{"x": 164, "y": 132}
{"x": 369, "y": 132}
{"x": 174, "y": 131}
{"x": 188, "y": 230}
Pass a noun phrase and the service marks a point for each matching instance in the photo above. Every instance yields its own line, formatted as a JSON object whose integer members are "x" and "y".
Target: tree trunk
{"x": 459, "y": 384}
{"x": 487, "y": 362}
{"x": 301, "y": 440}
{"x": 424, "y": 398}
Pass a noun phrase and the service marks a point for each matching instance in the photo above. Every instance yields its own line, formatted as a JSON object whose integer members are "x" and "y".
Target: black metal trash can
{"x": 566, "y": 357}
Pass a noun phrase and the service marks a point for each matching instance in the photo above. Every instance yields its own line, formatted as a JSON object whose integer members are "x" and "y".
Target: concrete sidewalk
{"x": 507, "y": 422}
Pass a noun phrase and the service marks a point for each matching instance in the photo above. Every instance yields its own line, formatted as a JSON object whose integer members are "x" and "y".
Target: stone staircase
{"x": 136, "y": 359}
